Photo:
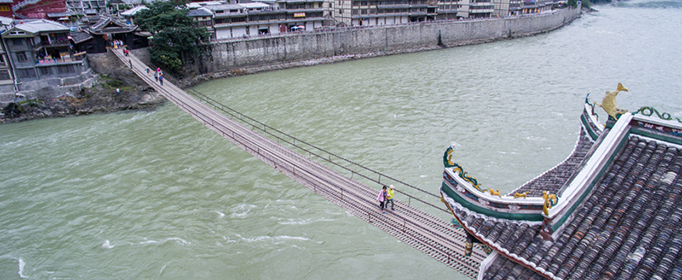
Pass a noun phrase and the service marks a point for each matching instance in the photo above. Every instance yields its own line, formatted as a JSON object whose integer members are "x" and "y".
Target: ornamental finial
{"x": 550, "y": 200}
{"x": 609, "y": 102}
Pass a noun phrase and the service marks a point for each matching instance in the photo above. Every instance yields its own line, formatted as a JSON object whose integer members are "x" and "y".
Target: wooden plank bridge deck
{"x": 433, "y": 236}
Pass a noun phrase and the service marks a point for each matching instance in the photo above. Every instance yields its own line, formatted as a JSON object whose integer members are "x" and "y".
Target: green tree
{"x": 176, "y": 39}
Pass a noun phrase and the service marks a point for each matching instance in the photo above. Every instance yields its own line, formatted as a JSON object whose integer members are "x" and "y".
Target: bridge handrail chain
{"x": 213, "y": 102}
{"x": 220, "y": 106}
{"x": 363, "y": 198}
{"x": 457, "y": 236}
{"x": 424, "y": 229}
{"x": 343, "y": 167}
{"x": 206, "y": 118}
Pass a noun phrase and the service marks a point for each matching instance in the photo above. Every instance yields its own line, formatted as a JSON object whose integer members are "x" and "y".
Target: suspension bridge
{"x": 425, "y": 232}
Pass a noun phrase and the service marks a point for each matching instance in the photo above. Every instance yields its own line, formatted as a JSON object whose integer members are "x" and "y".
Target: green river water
{"x": 156, "y": 195}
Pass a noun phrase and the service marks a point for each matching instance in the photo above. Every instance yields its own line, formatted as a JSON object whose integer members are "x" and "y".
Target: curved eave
{"x": 464, "y": 202}
{"x": 496, "y": 247}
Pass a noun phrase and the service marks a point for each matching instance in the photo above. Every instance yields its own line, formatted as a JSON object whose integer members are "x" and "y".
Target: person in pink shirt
{"x": 382, "y": 198}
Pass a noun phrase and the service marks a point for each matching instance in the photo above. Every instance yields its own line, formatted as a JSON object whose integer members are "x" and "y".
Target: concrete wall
{"x": 226, "y": 56}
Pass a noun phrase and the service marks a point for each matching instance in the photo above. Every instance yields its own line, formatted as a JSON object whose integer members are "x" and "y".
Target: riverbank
{"x": 115, "y": 89}
{"x": 108, "y": 96}
{"x": 250, "y": 56}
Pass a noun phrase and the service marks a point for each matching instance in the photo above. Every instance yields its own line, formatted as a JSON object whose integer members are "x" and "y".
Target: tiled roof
{"x": 79, "y": 36}
{"x": 200, "y": 12}
{"x": 41, "y": 25}
{"x": 555, "y": 178}
{"x": 109, "y": 25}
{"x": 627, "y": 228}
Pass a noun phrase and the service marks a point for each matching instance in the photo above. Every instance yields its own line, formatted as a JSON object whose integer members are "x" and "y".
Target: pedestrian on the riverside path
{"x": 148, "y": 70}
{"x": 389, "y": 197}
{"x": 382, "y": 198}
{"x": 156, "y": 76}
{"x": 131, "y": 63}
{"x": 161, "y": 79}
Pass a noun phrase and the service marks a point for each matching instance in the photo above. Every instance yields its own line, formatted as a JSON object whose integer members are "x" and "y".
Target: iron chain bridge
{"x": 423, "y": 231}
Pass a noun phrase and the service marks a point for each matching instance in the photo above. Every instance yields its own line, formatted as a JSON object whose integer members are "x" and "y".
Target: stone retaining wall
{"x": 258, "y": 52}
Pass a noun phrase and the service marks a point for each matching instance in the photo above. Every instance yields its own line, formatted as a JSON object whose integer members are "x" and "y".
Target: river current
{"x": 156, "y": 195}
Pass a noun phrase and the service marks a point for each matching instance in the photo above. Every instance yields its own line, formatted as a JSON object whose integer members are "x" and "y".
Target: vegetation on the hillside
{"x": 176, "y": 39}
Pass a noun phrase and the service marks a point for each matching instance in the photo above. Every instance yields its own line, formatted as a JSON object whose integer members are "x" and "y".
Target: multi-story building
{"x": 447, "y": 9}
{"x": 383, "y": 12}
{"x": 40, "y": 49}
{"x": 257, "y": 18}
{"x": 87, "y": 7}
{"x": 519, "y": 7}
{"x": 480, "y": 8}
{"x": 307, "y": 13}
{"x": 203, "y": 17}
{"x": 6, "y": 76}
{"x": 501, "y": 8}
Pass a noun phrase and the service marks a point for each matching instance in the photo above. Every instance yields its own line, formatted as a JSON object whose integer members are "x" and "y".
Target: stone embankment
{"x": 237, "y": 57}
{"x": 253, "y": 55}
{"x": 116, "y": 89}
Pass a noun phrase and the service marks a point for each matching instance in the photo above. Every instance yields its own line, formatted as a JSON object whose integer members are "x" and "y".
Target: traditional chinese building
{"x": 106, "y": 30}
{"x": 41, "y": 49}
{"x": 611, "y": 210}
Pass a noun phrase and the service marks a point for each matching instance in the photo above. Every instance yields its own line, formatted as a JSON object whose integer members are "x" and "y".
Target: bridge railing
{"x": 312, "y": 150}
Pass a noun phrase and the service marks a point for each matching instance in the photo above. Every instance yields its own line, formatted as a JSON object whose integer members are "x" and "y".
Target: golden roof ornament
{"x": 609, "y": 102}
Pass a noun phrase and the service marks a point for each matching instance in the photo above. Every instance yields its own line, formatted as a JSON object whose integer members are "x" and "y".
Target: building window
{"x": 45, "y": 71}
{"x": 2, "y": 60}
{"x": 65, "y": 69}
{"x": 17, "y": 41}
{"x": 341, "y": 11}
{"x": 355, "y": 12}
{"x": 21, "y": 57}
{"x": 26, "y": 73}
{"x": 5, "y": 75}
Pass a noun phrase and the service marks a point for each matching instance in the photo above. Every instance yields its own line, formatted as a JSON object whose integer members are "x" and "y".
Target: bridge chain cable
{"x": 267, "y": 129}
{"x": 414, "y": 227}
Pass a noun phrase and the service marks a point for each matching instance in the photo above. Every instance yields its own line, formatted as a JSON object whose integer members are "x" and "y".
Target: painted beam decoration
{"x": 447, "y": 161}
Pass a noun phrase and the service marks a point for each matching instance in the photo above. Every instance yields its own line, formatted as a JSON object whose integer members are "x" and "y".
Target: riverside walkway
{"x": 433, "y": 236}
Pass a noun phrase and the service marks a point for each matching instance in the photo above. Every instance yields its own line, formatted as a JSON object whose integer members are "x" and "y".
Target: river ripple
{"x": 155, "y": 195}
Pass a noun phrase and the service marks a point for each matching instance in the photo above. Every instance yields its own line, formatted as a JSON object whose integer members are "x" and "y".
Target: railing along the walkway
{"x": 421, "y": 230}
{"x": 318, "y": 152}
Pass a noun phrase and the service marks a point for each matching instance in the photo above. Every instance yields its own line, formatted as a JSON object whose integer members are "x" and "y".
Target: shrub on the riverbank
{"x": 176, "y": 39}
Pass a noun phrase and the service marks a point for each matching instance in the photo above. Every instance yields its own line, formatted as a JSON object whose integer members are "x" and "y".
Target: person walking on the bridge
{"x": 382, "y": 198}
{"x": 161, "y": 79}
{"x": 131, "y": 63}
{"x": 389, "y": 197}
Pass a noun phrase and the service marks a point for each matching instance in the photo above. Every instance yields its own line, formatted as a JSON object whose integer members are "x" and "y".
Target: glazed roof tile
{"x": 626, "y": 228}
{"x": 554, "y": 179}
{"x": 79, "y": 36}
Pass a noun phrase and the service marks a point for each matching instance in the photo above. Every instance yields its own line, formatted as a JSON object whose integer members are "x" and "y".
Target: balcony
{"x": 310, "y": 10}
{"x": 300, "y": 1}
{"x": 69, "y": 58}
